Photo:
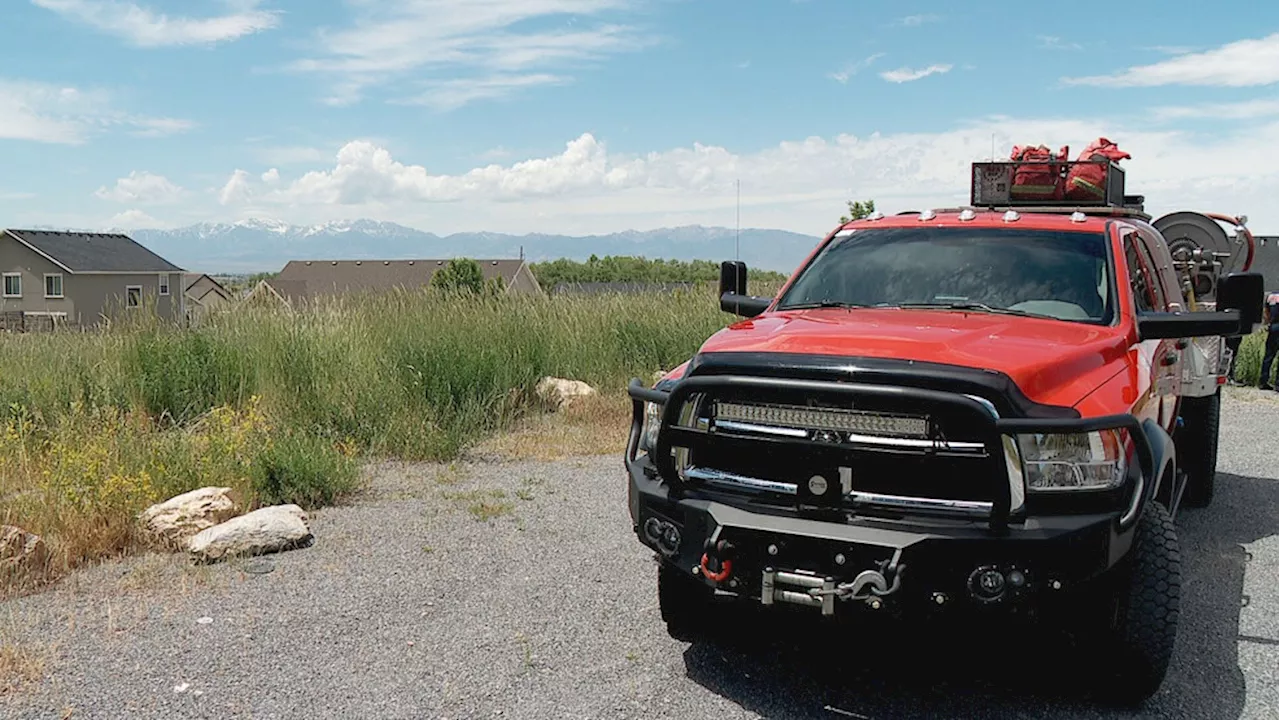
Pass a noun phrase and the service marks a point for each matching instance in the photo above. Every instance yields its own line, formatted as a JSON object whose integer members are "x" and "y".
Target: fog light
{"x": 986, "y": 584}
{"x": 670, "y": 539}
{"x": 1017, "y": 579}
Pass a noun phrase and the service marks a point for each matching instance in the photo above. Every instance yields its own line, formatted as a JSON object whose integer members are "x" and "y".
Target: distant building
{"x": 204, "y": 295}
{"x": 81, "y": 278}
{"x": 1266, "y": 260}
{"x": 303, "y": 281}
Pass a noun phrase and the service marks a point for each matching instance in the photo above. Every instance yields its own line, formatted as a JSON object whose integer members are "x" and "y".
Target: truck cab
{"x": 961, "y": 410}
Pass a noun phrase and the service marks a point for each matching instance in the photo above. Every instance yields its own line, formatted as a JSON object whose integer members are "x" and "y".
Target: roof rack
{"x": 1126, "y": 212}
{"x": 996, "y": 184}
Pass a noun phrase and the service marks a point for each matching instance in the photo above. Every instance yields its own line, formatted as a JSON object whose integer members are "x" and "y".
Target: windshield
{"x": 1044, "y": 273}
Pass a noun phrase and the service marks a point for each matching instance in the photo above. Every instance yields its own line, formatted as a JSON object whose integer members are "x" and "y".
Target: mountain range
{"x": 266, "y": 245}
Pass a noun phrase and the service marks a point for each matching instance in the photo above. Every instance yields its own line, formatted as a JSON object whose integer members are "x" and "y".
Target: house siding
{"x": 86, "y": 297}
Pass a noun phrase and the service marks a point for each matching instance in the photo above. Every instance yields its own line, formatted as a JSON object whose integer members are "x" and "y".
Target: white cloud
{"x": 271, "y": 177}
{"x": 133, "y": 220}
{"x": 1241, "y": 63}
{"x": 45, "y": 112}
{"x": 905, "y": 74}
{"x": 143, "y": 27}
{"x": 464, "y": 50}
{"x": 236, "y": 188}
{"x": 142, "y": 187}
{"x": 917, "y": 20}
{"x": 798, "y": 185}
{"x": 1053, "y": 42}
{"x": 843, "y": 74}
{"x": 1245, "y": 110}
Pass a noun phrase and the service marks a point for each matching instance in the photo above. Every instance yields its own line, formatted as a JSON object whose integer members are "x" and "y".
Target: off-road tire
{"x": 1143, "y": 622}
{"x": 684, "y": 602}
{"x": 1196, "y": 443}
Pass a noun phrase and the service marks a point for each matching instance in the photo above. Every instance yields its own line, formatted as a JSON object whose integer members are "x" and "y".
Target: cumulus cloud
{"x": 906, "y": 74}
{"x": 133, "y": 220}
{"x": 143, "y": 27}
{"x": 795, "y": 185}
{"x": 143, "y": 188}
{"x": 1241, "y": 63}
{"x": 452, "y": 52}
{"x": 50, "y": 113}
{"x": 917, "y": 20}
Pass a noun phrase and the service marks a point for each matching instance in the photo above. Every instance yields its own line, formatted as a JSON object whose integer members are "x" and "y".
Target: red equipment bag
{"x": 1039, "y": 181}
{"x": 1089, "y": 181}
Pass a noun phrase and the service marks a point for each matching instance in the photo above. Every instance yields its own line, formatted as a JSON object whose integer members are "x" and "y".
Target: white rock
{"x": 174, "y": 521}
{"x": 20, "y": 550}
{"x": 561, "y": 392}
{"x": 269, "y": 529}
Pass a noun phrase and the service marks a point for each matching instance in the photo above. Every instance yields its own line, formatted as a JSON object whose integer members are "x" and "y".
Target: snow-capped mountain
{"x": 266, "y": 245}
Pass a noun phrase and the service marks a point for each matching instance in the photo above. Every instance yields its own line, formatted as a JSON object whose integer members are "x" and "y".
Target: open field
{"x": 516, "y": 590}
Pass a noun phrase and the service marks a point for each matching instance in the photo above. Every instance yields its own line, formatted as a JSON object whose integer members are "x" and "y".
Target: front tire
{"x": 1143, "y": 617}
{"x": 685, "y": 603}
{"x": 1197, "y": 447}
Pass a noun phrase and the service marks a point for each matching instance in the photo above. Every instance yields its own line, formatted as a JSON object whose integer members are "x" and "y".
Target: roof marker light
{"x": 966, "y": 215}
{"x": 877, "y": 215}
{"x": 1242, "y": 219}
{"x": 927, "y": 215}
{"x": 1077, "y": 216}
{"x": 1011, "y": 216}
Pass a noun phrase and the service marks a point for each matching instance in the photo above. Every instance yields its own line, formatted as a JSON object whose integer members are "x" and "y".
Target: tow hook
{"x": 720, "y": 555}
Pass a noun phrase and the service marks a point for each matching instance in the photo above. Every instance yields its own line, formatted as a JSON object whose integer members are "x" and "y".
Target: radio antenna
{"x": 737, "y": 223}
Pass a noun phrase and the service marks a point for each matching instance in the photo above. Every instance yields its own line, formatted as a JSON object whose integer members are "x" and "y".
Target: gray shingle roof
{"x": 95, "y": 252}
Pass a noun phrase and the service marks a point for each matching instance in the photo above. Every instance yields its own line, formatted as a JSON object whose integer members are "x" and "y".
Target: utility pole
{"x": 737, "y": 224}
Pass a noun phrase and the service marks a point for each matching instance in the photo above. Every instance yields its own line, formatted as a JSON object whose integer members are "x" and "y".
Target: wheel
{"x": 1143, "y": 613}
{"x": 1196, "y": 443}
{"x": 685, "y": 603}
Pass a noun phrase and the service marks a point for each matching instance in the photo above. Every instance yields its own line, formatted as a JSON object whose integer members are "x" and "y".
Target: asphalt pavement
{"x": 408, "y": 606}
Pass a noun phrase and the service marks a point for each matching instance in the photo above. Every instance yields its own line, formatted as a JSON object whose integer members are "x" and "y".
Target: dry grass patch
{"x": 484, "y": 505}
{"x": 19, "y": 665}
{"x": 595, "y": 425}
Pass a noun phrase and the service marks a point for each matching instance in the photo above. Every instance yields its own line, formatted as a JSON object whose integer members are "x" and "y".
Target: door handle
{"x": 1169, "y": 358}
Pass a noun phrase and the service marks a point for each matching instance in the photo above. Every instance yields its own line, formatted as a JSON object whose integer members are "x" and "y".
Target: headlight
{"x": 1074, "y": 461}
{"x": 649, "y": 430}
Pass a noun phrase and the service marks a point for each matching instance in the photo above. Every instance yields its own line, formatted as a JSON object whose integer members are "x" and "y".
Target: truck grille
{"x": 887, "y": 458}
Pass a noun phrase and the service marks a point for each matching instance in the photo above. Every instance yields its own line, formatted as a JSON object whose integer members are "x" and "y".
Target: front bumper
{"x": 931, "y": 563}
{"x": 1005, "y": 557}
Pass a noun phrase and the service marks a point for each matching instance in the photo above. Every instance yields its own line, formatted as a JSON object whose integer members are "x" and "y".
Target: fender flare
{"x": 1163, "y": 462}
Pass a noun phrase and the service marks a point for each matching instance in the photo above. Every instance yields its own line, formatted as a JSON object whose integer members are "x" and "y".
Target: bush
{"x": 304, "y": 470}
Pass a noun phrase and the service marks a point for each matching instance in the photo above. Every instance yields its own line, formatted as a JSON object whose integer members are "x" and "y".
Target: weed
{"x": 484, "y": 505}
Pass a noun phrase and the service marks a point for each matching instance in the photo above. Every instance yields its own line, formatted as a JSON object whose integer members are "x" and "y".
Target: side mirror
{"x": 1243, "y": 292}
{"x": 733, "y": 291}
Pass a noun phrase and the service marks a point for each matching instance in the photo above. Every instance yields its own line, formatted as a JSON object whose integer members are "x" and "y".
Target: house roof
{"x": 311, "y": 278}
{"x": 606, "y": 288}
{"x": 93, "y": 252}
{"x": 190, "y": 279}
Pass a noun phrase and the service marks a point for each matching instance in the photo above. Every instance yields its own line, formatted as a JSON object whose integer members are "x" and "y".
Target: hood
{"x": 1053, "y": 362}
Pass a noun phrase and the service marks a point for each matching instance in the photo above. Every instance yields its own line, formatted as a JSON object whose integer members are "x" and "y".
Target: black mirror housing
{"x": 1243, "y": 292}
{"x": 1177, "y": 325}
{"x": 733, "y": 277}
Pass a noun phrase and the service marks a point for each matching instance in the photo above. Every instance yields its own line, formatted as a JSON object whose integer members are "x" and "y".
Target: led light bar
{"x": 850, "y": 421}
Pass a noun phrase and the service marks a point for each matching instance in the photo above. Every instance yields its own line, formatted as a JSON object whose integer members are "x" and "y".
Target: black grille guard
{"x": 672, "y": 435}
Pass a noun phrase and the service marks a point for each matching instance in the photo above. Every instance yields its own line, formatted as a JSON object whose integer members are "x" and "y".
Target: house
{"x": 203, "y": 295}
{"x": 1266, "y": 260}
{"x": 81, "y": 278}
{"x": 307, "y": 280}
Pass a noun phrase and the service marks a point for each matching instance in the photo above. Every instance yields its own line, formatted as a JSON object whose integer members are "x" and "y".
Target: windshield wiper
{"x": 821, "y": 304}
{"x": 967, "y": 305}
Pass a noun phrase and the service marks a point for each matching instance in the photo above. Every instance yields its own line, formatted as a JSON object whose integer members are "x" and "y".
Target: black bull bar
{"x": 672, "y": 435}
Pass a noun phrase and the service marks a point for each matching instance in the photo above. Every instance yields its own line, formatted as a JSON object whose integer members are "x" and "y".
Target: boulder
{"x": 266, "y": 530}
{"x": 21, "y": 550}
{"x": 561, "y": 392}
{"x": 176, "y": 520}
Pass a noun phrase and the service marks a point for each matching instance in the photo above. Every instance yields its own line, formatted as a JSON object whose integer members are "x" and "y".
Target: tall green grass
{"x": 411, "y": 374}
{"x": 1248, "y": 367}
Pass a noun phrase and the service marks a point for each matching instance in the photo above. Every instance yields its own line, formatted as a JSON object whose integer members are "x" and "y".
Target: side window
{"x": 1140, "y": 280}
{"x": 1162, "y": 278}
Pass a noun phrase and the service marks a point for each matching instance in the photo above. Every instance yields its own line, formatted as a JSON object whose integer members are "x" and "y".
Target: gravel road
{"x": 408, "y": 606}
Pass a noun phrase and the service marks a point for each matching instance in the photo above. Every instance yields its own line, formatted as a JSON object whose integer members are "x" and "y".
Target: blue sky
{"x": 602, "y": 115}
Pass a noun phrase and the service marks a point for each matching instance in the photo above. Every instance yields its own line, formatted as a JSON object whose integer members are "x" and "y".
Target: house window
{"x": 53, "y": 285}
{"x": 164, "y": 284}
{"x": 133, "y": 296}
{"x": 13, "y": 285}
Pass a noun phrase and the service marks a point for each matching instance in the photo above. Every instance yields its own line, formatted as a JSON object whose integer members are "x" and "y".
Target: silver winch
{"x": 822, "y": 591}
